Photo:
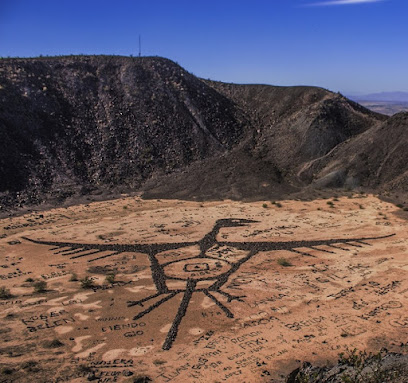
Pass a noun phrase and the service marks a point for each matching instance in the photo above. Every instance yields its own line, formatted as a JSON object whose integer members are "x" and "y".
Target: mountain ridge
{"x": 78, "y": 126}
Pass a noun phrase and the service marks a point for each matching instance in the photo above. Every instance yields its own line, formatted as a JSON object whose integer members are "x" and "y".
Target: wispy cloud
{"x": 343, "y": 2}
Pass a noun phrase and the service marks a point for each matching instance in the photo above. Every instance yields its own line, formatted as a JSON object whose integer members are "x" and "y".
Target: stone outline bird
{"x": 79, "y": 250}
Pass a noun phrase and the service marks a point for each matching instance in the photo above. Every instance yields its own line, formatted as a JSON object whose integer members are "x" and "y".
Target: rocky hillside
{"x": 76, "y": 124}
{"x": 298, "y": 124}
{"x": 356, "y": 367}
{"x": 290, "y": 128}
{"x": 80, "y": 125}
{"x": 377, "y": 158}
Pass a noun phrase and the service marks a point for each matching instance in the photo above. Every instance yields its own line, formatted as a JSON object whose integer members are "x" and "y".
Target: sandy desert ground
{"x": 199, "y": 292}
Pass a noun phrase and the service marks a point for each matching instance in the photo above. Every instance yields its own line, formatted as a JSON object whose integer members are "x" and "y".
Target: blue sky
{"x": 352, "y": 46}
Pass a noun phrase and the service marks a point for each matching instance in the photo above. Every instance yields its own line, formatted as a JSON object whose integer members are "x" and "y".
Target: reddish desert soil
{"x": 203, "y": 292}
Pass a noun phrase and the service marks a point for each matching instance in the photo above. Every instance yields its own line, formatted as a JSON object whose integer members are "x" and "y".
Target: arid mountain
{"x": 80, "y": 125}
{"x": 290, "y": 127}
{"x": 76, "y": 124}
{"x": 377, "y": 158}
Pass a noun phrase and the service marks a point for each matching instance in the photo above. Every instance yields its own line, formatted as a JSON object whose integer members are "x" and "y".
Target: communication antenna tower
{"x": 140, "y": 46}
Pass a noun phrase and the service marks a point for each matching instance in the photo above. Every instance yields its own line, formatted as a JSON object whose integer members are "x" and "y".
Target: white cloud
{"x": 343, "y": 2}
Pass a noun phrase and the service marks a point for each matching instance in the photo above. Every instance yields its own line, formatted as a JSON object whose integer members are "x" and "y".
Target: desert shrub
{"x": 55, "y": 343}
{"x": 366, "y": 367}
{"x": 73, "y": 278}
{"x": 159, "y": 362}
{"x": 5, "y": 293}
{"x": 30, "y": 366}
{"x": 84, "y": 368}
{"x": 40, "y": 286}
{"x": 110, "y": 278}
{"x": 302, "y": 377}
{"x": 283, "y": 262}
{"x": 87, "y": 283}
{"x": 6, "y": 371}
{"x": 141, "y": 379}
{"x": 354, "y": 366}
